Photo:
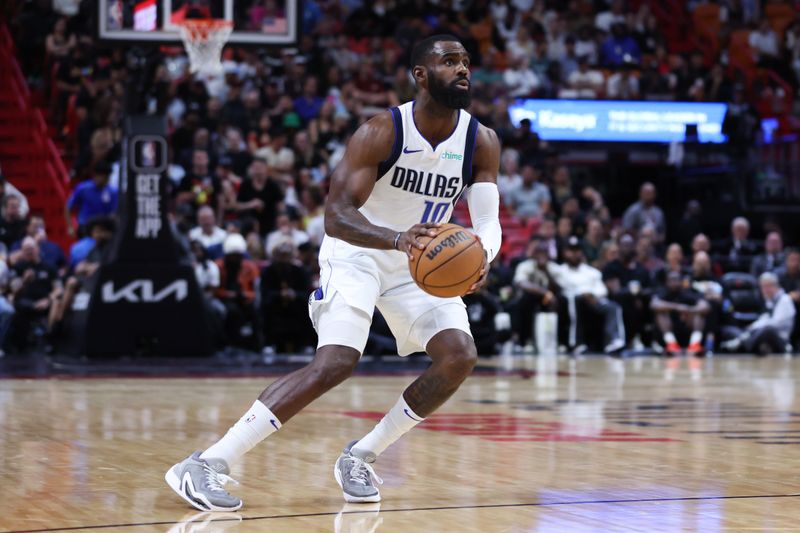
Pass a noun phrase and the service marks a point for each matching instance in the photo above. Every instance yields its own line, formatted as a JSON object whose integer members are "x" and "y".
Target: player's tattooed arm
{"x": 351, "y": 184}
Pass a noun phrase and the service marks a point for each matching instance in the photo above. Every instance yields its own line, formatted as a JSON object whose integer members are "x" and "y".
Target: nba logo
{"x": 250, "y": 418}
{"x": 148, "y": 154}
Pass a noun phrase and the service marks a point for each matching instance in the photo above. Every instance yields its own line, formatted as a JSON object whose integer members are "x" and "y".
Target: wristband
{"x": 396, "y": 240}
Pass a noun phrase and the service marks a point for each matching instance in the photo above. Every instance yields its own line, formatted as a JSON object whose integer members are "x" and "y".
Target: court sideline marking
{"x": 445, "y": 508}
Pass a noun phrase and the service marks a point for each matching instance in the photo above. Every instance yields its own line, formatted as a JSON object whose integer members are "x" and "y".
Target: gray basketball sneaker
{"x": 357, "y": 477}
{"x": 200, "y": 482}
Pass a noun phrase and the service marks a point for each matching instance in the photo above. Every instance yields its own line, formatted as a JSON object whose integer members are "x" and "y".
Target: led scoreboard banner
{"x": 620, "y": 121}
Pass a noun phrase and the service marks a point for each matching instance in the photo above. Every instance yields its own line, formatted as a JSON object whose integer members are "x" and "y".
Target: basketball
{"x": 450, "y": 262}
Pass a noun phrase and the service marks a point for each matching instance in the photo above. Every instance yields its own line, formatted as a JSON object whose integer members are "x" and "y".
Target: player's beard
{"x": 448, "y": 95}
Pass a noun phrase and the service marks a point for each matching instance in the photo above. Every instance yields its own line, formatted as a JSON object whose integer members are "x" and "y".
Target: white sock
{"x": 697, "y": 337}
{"x": 397, "y": 421}
{"x": 257, "y": 424}
{"x": 669, "y": 337}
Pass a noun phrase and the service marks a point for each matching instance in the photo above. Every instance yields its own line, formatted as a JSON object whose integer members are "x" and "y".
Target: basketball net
{"x": 203, "y": 40}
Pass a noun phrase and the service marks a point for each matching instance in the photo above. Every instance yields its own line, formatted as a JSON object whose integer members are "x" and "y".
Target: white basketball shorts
{"x": 350, "y": 289}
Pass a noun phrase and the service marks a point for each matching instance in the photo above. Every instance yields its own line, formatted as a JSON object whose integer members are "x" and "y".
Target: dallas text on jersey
{"x": 425, "y": 183}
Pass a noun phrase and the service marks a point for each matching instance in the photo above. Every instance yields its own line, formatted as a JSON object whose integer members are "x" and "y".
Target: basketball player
{"x": 401, "y": 175}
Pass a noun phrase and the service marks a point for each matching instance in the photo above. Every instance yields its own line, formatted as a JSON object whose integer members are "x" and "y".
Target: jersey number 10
{"x": 434, "y": 213}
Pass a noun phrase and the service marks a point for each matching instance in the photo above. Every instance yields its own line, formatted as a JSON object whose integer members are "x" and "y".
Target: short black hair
{"x": 421, "y": 50}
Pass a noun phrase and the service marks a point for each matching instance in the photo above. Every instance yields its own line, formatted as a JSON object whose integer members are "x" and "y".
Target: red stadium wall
{"x": 29, "y": 158}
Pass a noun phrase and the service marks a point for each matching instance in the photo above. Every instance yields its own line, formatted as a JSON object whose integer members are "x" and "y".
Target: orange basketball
{"x": 450, "y": 263}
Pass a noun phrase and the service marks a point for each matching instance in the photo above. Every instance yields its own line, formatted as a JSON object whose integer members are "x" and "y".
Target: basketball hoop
{"x": 203, "y": 40}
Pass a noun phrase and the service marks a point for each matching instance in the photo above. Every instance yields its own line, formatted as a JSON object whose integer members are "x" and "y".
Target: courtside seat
{"x": 741, "y": 290}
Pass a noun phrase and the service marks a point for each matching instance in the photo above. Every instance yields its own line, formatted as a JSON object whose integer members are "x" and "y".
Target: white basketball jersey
{"x": 417, "y": 183}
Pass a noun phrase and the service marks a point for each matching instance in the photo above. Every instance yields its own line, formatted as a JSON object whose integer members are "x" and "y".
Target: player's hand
{"x": 484, "y": 273}
{"x": 409, "y": 239}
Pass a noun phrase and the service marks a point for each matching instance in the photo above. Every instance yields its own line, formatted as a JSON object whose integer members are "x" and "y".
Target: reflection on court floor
{"x": 543, "y": 444}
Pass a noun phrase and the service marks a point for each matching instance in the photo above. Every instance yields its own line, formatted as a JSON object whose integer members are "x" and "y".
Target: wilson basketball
{"x": 450, "y": 263}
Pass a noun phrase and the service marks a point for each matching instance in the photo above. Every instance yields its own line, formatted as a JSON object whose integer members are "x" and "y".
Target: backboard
{"x": 258, "y": 22}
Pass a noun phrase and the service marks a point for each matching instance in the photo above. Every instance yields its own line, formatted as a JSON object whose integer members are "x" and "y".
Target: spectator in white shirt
{"x": 523, "y": 5}
{"x": 499, "y": 9}
{"x": 506, "y": 21}
{"x": 509, "y": 177}
{"x": 535, "y": 293}
{"x": 207, "y": 232}
{"x": 207, "y": 273}
{"x": 286, "y": 231}
{"x": 520, "y": 80}
{"x": 764, "y": 42}
{"x": 605, "y": 19}
{"x": 773, "y": 329}
{"x": 7, "y": 189}
{"x": 584, "y": 82}
{"x": 556, "y": 38}
{"x": 622, "y": 85}
{"x": 277, "y": 155}
{"x": 583, "y": 288}
{"x": 531, "y": 198}
{"x": 521, "y": 47}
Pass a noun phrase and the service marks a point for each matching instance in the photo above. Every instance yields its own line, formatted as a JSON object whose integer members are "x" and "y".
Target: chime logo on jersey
{"x": 425, "y": 183}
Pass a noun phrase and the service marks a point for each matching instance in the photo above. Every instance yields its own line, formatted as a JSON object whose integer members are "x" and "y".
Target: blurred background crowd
{"x": 251, "y": 151}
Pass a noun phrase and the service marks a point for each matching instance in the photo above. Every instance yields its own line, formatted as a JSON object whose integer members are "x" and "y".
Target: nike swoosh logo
{"x": 407, "y": 151}
{"x": 274, "y": 424}
{"x": 411, "y": 417}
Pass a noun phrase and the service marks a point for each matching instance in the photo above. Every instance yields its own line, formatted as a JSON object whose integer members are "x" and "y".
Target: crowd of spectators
{"x": 733, "y": 293}
{"x": 251, "y": 150}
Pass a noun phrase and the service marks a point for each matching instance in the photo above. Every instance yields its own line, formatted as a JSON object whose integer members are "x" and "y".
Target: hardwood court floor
{"x": 601, "y": 445}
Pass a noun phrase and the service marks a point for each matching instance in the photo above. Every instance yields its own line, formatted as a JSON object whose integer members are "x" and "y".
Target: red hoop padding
{"x": 202, "y": 28}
